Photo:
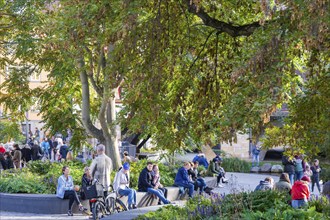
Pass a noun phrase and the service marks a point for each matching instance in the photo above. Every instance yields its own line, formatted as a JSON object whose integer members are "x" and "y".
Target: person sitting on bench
{"x": 199, "y": 182}
{"x": 182, "y": 179}
{"x": 121, "y": 185}
{"x": 146, "y": 184}
{"x": 215, "y": 168}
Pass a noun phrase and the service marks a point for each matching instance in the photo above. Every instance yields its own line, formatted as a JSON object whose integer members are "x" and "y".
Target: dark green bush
{"x": 22, "y": 181}
{"x": 234, "y": 164}
{"x": 39, "y": 177}
{"x": 325, "y": 173}
{"x": 260, "y": 205}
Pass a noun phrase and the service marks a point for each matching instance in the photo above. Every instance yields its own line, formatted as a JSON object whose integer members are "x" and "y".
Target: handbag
{"x": 93, "y": 191}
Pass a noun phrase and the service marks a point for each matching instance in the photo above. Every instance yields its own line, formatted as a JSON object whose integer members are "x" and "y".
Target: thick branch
{"x": 220, "y": 26}
{"x": 96, "y": 87}
{"x": 85, "y": 111}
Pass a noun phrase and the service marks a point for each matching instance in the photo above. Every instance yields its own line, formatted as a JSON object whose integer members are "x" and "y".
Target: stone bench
{"x": 50, "y": 204}
{"x": 37, "y": 203}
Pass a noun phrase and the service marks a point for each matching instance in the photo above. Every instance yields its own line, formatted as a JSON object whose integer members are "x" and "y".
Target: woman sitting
{"x": 65, "y": 190}
{"x": 284, "y": 184}
{"x": 156, "y": 181}
{"x": 215, "y": 168}
{"x": 87, "y": 180}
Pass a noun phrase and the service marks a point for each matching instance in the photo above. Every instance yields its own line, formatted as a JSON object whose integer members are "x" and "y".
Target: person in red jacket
{"x": 300, "y": 192}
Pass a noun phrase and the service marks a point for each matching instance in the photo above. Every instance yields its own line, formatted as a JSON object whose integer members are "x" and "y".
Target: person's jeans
{"x": 299, "y": 175}
{"x": 190, "y": 186}
{"x": 291, "y": 177}
{"x": 255, "y": 160}
{"x": 201, "y": 185}
{"x": 298, "y": 203}
{"x": 315, "y": 179}
{"x": 159, "y": 193}
{"x": 130, "y": 193}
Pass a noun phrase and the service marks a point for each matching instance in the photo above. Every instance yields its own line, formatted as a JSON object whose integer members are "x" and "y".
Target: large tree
{"x": 192, "y": 71}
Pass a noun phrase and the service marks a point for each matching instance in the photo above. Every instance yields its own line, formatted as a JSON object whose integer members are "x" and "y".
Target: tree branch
{"x": 220, "y": 26}
{"x": 96, "y": 87}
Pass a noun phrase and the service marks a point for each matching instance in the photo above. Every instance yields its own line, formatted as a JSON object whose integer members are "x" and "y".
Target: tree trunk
{"x": 107, "y": 117}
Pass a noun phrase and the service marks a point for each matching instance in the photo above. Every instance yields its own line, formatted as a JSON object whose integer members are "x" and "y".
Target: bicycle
{"x": 102, "y": 206}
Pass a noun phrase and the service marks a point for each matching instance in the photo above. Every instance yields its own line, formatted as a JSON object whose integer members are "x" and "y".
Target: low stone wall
{"x": 36, "y": 203}
{"x": 50, "y": 204}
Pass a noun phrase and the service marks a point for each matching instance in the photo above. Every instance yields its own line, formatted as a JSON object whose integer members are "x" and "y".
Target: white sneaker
{"x": 224, "y": 180}
{"x": 220, "y": 185}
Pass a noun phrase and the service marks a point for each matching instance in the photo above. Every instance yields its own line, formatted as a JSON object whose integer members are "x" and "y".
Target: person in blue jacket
{"x": 182, "y": 179}
{"x": 202, "y": 161}
{"x": 66, "y": 190}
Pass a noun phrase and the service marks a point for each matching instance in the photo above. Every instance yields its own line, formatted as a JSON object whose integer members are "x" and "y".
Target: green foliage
{"x": 234, "y": 164}
{"x": 186, "y": 76}
{"x": 321, "y": 204}
{"x": 276, "y": 214}
{"x": 10, "y": 130}
{"x": 23, "y": 181}
{"x": 325, "y": 173}
{"x": 165, "y": 213}
{"x": 39, "y": 177}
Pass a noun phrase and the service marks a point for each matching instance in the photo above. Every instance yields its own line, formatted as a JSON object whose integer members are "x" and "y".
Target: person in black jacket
{"x": 26, "y": 154}
{"x": 9, "y": 161}
{"x": 86, "y": 180}
{"x": 146, "y": 183}
{"x": 289, "y": 167}
{"x": 36, "y": 151}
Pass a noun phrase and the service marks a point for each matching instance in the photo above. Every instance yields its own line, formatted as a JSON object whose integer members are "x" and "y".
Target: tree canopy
{"x": 191, "y": 70}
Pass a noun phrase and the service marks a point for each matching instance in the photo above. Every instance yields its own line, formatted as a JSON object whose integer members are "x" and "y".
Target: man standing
{"x": 255, "y": 156}
{"x": 101, "y": 168}
{"x": 17, "y": 156}
{"x": 146, "y": 184}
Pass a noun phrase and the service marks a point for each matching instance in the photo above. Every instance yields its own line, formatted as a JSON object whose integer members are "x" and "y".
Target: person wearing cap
{"x": 300, "y": 192}
{"x": 121, "y": 185}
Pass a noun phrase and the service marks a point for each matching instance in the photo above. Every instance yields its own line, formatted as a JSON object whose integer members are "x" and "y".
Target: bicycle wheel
{"x": 98, "y": 210}
{"x": 115, "y": 205}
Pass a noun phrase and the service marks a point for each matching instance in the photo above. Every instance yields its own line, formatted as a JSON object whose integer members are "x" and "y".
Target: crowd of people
{"x": 55, "y": 149}
{"x": 298, "y": 179}
{"x": 149, "y": 181}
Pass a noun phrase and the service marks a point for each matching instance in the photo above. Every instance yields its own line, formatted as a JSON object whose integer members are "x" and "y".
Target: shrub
{"x": 22, "y": 181}
{"x": 234, "y": 164}
{"x": 325, "y": 173}
{"x": 39, "y": 177}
